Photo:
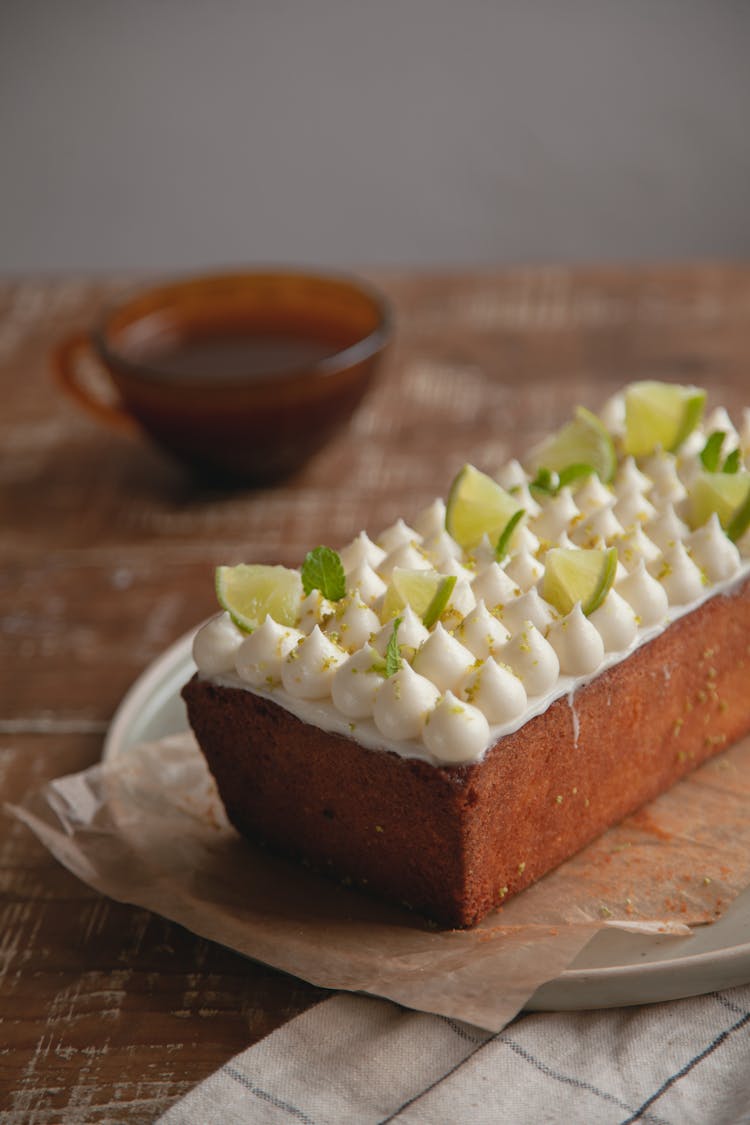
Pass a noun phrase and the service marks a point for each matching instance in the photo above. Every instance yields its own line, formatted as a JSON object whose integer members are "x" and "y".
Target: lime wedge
{"x": 584, "y": 576}
{"x": 584, "y": 441}
{"x": 660, "y": 414}
{"x": 250, "y": 591}
{"x": 727, "y": 494}
{"x": 426, "y": 591}
{"x": 477, "y": 506}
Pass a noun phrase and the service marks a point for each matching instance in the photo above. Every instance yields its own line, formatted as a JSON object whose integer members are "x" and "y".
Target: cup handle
{"x": 88, "y": 393}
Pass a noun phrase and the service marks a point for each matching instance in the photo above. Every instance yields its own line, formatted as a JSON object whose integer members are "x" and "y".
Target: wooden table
{"x": 110, "y": 1013}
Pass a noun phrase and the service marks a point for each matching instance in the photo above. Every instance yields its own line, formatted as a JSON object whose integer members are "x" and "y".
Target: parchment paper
{"x": 148, "y": 828}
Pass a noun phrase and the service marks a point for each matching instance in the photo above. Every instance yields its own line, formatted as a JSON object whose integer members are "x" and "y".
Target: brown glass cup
{"x": 181, "y": 363}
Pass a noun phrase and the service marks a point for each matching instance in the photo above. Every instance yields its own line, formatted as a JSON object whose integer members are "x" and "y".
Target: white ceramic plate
{"x": 615, "y": 968}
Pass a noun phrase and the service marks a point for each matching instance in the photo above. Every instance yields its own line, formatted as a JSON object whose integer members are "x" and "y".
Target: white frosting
{"x": 411, "y": 633}
{"x": 443, "y": 659}
{"x": 397, "y": 535}
{"x": 615, "y": 622}
{"x": 532, "y": 658}
{"x": 629, "y": 478}
{"x": 745, "y": 433}
{"x": 369, "y": 585}
{"x": 481, "y": 632}
{"x": 633, "y": 507}
{"x": 528, "y": 607}
{"x": 634, "y": 547}
{"x": 715, "y": 554}
{"x": 667, "y": 528}
{"x": 455, "y": 731}
{"x": 215, "y": 645}
{"x": 496, "y": 690}
{"x": 357, "y": 682}
{"x": 408, "y": 556}
{"x": 579, "y": 647}
{"x": 680, "y": 577}
{"x": 555, "y": 516}
{"x": 431, "y": 520}
{"x": 259, "y": 658}
{"x": 441, "y": 545}
{"x": 402, "y": 704}
{"x": 353, "y": 624}
{"x": 512, "y": 475}
{"x": 601, "y": 524}
{"x": 361, "y": 550}
{"x": 592, "y": 495}
{"x": 662, "y": 469}
{"x": 308, "y": 670}
{"x": 494, "y": 586}
{"x": 502, "y": 680}
{"x": 524, "y": 570}
{"x": 645, "y": 595}
{"x": 314, "y": 610}
{"x": 612, "y": 414}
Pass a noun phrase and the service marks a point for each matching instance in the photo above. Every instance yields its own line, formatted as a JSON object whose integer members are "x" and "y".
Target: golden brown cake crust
{"x": 454, "y": 842}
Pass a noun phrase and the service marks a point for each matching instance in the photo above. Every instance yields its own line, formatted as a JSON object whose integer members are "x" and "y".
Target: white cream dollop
{"x": 530, "y": 606}
{"x": 215, "y": 645}
{"x": 602, "y": 524}
{"x": 556, "y": 516}
{"x": 402, "y": 704}
{"x": 481, "y": 632}
{"x": 354, "y": 623}
{"x": 455, "y": 732}
{"x": 408, "y": 556}
{"x": 662, "y": 469}
{"x": 314, "y": 610}
{"x": 441, "y": 545}
{"x": 260, "y": 657}
{"x": 635, "y": 546}
{"x": 679, "y": 575}
{"x": 361, "y": 550}
{"x": 356, "y": 683}
{"x": 532, "y": 658}
{"x": 369, "y": 585}
{"x": 615, "y": 622}
{"x": 512, "y": 475}
{"x": 713, "y": 551}
{"x": 411, "y": 632}
{"x": 397, "y": 535}
{"x": 431, "y": 520}
{"x": 308, "y": 670}
{"x": 524, "y": 570}
{"x": 496, "y": 690}
{"x": 629, "y": 478}
{"x": 592, "y": 495}
{"x": 667, "y": 527}
{"x": 645, "y": 595}
{"x": 443, "y": 659}
{"x": 633, "y": 507}
{"x": 579, "y": 647}
{"x": 494, "y": 586}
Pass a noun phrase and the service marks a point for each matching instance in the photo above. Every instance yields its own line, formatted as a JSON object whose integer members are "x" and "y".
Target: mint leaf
{"x": 323, "y": 570}
{"x": 501, "y": 549}
{"x": 546, "y": 480}
{"x": 574, "y": 472}
{"x": 393, "y": 652}
{"x": 732, "y": 463}
{"x": 711, "y": 452}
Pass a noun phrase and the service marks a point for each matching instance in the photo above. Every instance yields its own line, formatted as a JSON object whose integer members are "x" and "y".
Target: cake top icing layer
{"x": 435, "y": 637}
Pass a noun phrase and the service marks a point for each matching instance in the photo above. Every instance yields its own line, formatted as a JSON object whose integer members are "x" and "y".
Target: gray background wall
{"x": 173, "y": 133}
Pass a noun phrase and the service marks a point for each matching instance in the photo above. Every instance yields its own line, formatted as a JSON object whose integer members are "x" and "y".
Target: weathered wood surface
{"x": 106, "y": 552}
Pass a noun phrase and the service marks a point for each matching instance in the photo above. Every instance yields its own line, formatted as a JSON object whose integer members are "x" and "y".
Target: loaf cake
{"x": 444, "y": 712}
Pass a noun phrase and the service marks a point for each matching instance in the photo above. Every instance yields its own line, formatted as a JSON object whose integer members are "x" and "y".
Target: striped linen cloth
{"x": 353, "y": 1059}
